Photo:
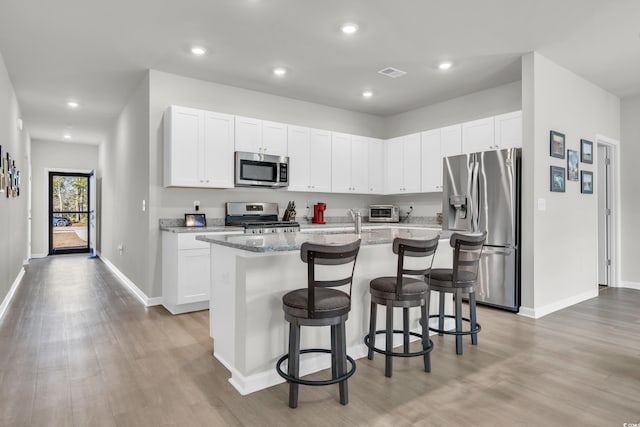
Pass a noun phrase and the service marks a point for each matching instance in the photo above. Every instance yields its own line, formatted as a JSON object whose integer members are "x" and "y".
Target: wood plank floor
{"x": 76, "y": 348}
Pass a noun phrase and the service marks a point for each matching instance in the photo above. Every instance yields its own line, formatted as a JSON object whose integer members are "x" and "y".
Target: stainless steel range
{"x": 257, "y": 218}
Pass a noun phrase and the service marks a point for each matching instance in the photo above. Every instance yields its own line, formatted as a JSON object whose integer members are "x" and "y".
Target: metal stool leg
{"x": 441, "y": 313}
{"x": 405, "y": 330}
{"x": 472, "y": 317}
{"x": 334, "y": 351}
{"x": 294, "y": 362}
{"x": 389, "y": 342}
{"x": 372, "y": 328}
{"x": 458, "y": 321}
{"x": 425, "y": 334}
{"x": 342, "y": 362}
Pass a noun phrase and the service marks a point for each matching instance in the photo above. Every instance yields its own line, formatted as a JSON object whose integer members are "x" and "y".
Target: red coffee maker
{"x": 318, "y": 213}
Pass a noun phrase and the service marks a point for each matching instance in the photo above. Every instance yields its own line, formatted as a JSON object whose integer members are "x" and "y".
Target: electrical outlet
{"x": 196, "y": 205}
{"x": 120, "y": 248}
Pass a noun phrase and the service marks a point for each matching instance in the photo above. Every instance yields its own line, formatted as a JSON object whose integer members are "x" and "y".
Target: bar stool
{"x": 461, "y": 279}
{"x": 320, "y": 305}
{"x": 405, "y": 292}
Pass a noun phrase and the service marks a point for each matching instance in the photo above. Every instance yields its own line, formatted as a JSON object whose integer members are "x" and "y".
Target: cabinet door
{"x": 274, "y": 138}
{"x": 478, "y": 135}
{"x": 298, "y": 152}
{"x": 412, "y": 164}
{"x": 340, "y": 163}
{"x": 217, "y": 158}
{"x": 194, "y": 274}
{"x": 248, "y": 134}
{"x": 395, "y": 177}
{"x": 451, "y": 140}
{"x": 359, "y": 164}
{"x": 508, "y": 130}
{"x": 431, "y": 161}
{"x": 182, "y": 145}
{"x": 376, "y": 166}
{"x": 320, "y": 161}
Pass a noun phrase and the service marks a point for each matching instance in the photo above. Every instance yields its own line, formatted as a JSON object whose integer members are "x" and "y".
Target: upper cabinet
{"x": 198, "y": 148}
{"x": 260, "y": 136}
{"x": 451, "y": 140}
{"x": 349, "y": 163}
{"x": 478, "y": 135}
{"x": 404, "y": 168}
{"x": 376, "y": 166}
{"x": 431, "y": 161}
{"x": 508, "y": 130}
{"x": 309, "y": 159}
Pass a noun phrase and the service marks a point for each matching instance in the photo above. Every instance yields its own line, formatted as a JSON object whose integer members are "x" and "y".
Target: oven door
{"x": 254, "y": 169}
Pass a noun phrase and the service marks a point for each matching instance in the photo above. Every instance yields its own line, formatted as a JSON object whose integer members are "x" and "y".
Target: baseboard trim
{"x": 11, "y": 293}
{"x": 538, "y": 312}
{"x": 630, "y": 285}
{"x": 142, "y": 297}
{"x": 39, "y": 255}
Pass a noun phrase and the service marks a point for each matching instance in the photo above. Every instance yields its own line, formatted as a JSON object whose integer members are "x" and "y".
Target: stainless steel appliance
{"x": 384, "y": 213}
{"x": 261, "y": 170}
{"x": 257, "y": 218}
{"x": 482, "y": 193}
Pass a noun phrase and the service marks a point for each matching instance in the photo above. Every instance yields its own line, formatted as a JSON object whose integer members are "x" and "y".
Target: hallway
{"x": 76, "y": 348}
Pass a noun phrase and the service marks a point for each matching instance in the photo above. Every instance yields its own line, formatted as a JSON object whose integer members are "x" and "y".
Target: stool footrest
{"x": 315, "y": 382}
{"x": 398, "y": 354}
{"x": 477, "y": 329}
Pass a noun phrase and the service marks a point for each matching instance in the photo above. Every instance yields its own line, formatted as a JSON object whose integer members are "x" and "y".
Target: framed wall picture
{"x": 572, "y": 165}
{"x": 557, "y": 181}
{"x": 586, "y": 151}
{"x": 586, "y": 182}
{"x": 556, "y": 144}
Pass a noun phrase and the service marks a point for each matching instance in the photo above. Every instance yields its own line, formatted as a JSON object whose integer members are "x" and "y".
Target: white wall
{"x": 629, "y": 194}
{"x": 13, "y": 211}
{"x": 560, "y": 247}
{"x": 123, "y": 179}
{"x": 57, "y": 156}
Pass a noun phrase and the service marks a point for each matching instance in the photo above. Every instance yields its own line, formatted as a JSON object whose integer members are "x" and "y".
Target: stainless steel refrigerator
{"x": 482, "y": 193}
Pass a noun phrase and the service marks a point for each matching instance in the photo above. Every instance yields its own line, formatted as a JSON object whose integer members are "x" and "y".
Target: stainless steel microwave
{"x": 384, "y": 213}
{"x": 261, "y": 170}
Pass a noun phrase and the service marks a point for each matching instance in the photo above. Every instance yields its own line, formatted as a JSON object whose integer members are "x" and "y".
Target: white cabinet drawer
{"x": 188, "y": 241}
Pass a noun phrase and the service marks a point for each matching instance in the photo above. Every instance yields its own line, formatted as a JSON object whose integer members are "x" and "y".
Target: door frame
{"x": 614, "y": 186}
{"x": 45, "y": 218}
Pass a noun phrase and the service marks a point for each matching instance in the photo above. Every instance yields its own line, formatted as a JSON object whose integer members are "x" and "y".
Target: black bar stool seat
{"x": 320, "y": 304}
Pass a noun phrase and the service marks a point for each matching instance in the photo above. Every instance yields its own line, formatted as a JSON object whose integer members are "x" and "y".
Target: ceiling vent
{"x": 392, "y": 72}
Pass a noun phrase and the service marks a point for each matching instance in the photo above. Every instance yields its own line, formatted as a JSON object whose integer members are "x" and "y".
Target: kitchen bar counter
{"x": 251, "y": 273}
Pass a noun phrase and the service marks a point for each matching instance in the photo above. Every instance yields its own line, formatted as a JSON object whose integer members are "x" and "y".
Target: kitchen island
{"x": 251, "y": 273}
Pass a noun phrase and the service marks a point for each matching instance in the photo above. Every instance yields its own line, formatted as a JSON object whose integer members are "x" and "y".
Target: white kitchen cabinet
{"x": 309, "y": 152}
{"x": 260, "y": 136}
{"x": 478, "y": 135}
{"x": 404, "y": 164}
{"x": 186, "y": 272}
{"x": 451, "y": 140}
{"x": 198, "y": 148}
{"x": 376, "y": 166}
{"x": 508, "y": 130}
{"x": 431, "y": 161}
{"x": 349, "y": 160}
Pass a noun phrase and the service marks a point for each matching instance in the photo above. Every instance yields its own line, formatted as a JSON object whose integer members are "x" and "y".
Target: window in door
{"x": 69, "y": 198}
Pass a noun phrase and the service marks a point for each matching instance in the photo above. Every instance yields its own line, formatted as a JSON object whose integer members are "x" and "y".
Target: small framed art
{"x": 556, "y": 144}
{"x": 557, "y": 182}
{"x": 586, "y": 182}
{"x": 586, "y": 151}
{"x": 572, "y": 165}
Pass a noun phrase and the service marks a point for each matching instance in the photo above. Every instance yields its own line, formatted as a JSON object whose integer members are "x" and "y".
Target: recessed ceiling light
{"x": 279, "y": 71}
{"x": 197, "y": 50}
{"x": 349, "y": 28}
{"x": 72, "y": 104}
{"x": 367, "y": 94}
{"x": 66, "y": 136}
{"x": 445, "y": 65}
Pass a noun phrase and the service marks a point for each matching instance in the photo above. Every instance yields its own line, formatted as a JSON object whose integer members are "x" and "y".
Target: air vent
{"x": 392, "y": 72}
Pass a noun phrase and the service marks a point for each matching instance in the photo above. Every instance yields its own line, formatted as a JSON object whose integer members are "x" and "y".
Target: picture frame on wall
{"x": 557, "y": 181}
{"x": 586, "y": 182}
{"x": 572, "y": 165}
{"x": 586, "y": 151}
{"x": 556, "y": 144}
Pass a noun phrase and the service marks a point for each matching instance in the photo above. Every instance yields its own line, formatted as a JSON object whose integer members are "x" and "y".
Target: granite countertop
{"x": 279, "y": 242}
{"x": 207, "y": 229}
{"x": 221, "y": 228}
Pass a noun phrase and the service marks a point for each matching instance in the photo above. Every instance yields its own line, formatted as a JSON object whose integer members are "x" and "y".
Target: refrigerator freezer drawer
{"x": 498, "y": 278}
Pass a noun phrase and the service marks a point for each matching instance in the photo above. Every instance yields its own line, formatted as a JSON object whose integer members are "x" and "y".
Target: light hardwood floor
{"x": 76, "y": 348}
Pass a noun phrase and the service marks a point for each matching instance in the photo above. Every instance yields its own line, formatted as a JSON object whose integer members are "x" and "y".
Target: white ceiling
{"x": 97, "y": 51}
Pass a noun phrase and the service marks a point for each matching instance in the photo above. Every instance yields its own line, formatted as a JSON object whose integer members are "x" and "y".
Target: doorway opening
{"x": 607, "y": 179}
{"x": 69, "y": 214}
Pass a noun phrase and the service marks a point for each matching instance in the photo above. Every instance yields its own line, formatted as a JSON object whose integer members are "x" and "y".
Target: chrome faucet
{"x": 357, "y": 220}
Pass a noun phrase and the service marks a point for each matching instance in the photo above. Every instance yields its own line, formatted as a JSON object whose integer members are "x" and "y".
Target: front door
{"x": 69, "y": 220}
